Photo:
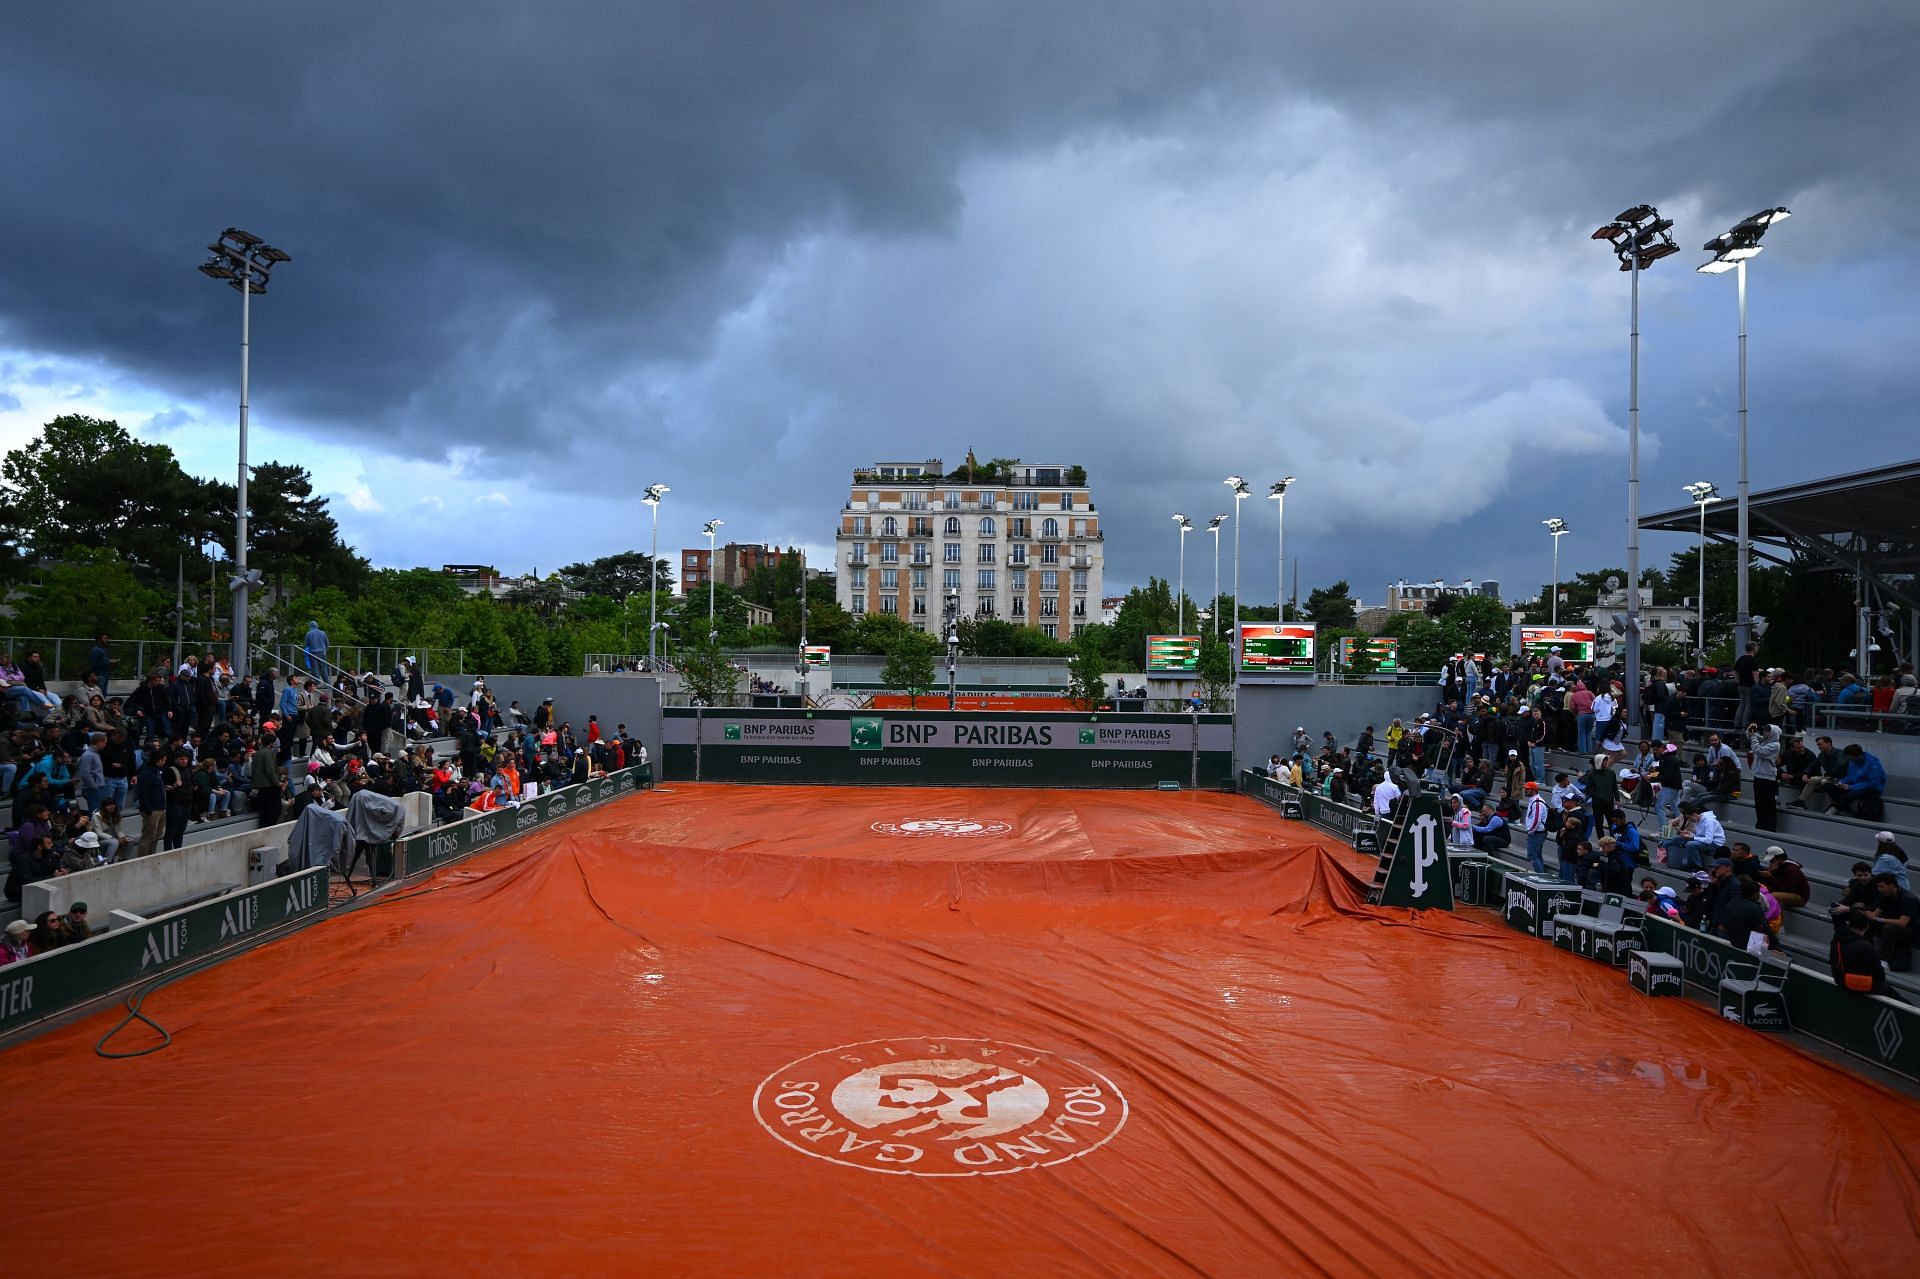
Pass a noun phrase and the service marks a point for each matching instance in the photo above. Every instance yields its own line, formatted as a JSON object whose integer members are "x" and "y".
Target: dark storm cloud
{"x": 537, "y": 230}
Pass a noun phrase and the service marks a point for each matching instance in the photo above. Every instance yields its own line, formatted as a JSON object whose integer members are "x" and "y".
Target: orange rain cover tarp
{"x": 799, "y": 1031}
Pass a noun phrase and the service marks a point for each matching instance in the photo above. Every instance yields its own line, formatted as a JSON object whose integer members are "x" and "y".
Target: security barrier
{"x": 50, "y": 983}
{"x": 1355, "y": 825}
{"x": 1882, "y": 1031}
{"x": 436, "y": 847}
{"x": 920, "y": 748}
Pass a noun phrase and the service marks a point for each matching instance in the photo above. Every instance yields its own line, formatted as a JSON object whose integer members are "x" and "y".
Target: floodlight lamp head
{"x": 654, "y": 493}
{"x": 1238, "y": 485}
{"x": 1279, "y": 488}
{"x": 1637, "y": 214}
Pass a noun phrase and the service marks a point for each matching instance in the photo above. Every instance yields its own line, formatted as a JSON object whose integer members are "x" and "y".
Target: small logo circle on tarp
{"x": 937, "y": 1107}
{"x": 949, "y": 827}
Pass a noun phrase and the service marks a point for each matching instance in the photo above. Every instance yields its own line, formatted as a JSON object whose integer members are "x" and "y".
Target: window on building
{"x": 890, "y": 604}
{"x": 889, "y": 552}
{"x": 1049, "y": 606}
{"x": 953, "y": 501}
{"x": 919, "y": 579}
{"x": 859, "y": 524}
{"x": 859, "y": 605}
{"x": 1079, "y": 579}
{"x": 950, "y": 580}
{"x": 1050, "y": 581}
{"x": 986, "y": 579}
{"x": 1079, "y": 530}
{"x": 1019, "y": 582}
{"x": 1050, "y": 630}
{"x": 1078, "y": 627}
{"x": 1019, "y": 606}
{"x": 922, "y": 553}
{"x": 920, "y": 604}
{"x": 1066, "y": 501}
{"x": 952, "y": 553}
{"x": 1026, "y": 501}
{"x": 1049, "y": 553}
{"x": 953, "y": 527}
{"x": 916, "y": 501}
{"x": 1019, "y": 555}
{"x": 889, "y": 527}
{"x": 985, "y": 607}
{"x": 1049, "y": 527}
{"x": 985, "y": 554}
{"x": 889, "y": 579}
{"x": 986, "y": 528}
{"x": 1079, "y": 608}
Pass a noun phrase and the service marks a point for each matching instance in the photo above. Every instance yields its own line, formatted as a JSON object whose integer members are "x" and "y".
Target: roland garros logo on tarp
{"x": 937, "y": 1107}
{"x": 948, "y": 827}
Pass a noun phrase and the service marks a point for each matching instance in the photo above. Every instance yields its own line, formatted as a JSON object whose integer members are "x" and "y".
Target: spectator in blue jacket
{"x": 316, "y": 646}
{"x": 1860, "y": 786}
{"x": 1890, "y": 859}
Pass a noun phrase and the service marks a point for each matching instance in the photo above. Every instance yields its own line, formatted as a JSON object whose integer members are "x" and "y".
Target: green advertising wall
{"x": 51, "y": 983}
{"x": 940, "y": 748}
{"x": 1881, "y": 1031}
{"x": 433, "y": 848}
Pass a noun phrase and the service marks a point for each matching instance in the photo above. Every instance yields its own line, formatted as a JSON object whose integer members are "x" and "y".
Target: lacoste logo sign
{"x": 937, "y": 1107}
{"x": 946, "y": 827}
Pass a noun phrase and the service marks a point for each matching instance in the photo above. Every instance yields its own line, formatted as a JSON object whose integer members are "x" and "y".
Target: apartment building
{"x": 1412, "y": 597}
{"x": 1020, "y": 542}
{"x": 731, "y": 564}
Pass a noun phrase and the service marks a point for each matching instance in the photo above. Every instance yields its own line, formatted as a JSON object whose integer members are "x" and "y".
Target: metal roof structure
{"x": 1866, "y": 523}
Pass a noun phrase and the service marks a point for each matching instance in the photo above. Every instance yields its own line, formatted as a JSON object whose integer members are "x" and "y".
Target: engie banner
{"x": 918, "y": 748}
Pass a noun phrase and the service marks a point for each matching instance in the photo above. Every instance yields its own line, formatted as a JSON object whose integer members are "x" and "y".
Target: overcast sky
{"x": 546, "y": 253}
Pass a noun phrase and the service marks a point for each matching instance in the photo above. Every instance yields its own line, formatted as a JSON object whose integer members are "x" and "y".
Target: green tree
{"x": 1146, "y": 610}
{"x": 1477, "y": 624}
{"x": 878, "y": 633}
{"x": 618, "y": 576}
{"x": 711, "y": 680}
{"x": 89, "y": 591}
{"x": 910, "y": 665}
{"x": 1425, "y": 644}
{"x": 1086, "y": 670}
{"x": 1331, "y": 605}
{"x": 479, "y": 627}
{"x": 1215, "y": 672}
{"x": 290, "y": 532}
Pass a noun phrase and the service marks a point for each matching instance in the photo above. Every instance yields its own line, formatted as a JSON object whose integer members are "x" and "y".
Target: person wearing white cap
{"x": 14, "y": 947}
{"x": 1890, "y": 859}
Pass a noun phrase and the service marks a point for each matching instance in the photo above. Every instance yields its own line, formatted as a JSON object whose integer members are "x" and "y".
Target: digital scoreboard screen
{"x": 817, "y": 655}
{"x": 1383, "y": 649}
{"x": 1173, "y": 654}
{"x": 1575, "y": 643}
{"x": 1283, "y": 649}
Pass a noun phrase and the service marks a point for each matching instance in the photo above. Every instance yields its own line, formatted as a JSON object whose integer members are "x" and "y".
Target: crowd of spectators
{"x": 98, "y": 776}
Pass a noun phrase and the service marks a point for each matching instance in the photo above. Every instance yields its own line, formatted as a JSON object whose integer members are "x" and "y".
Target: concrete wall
{"x": 183, "y": 872}
{"x": 1268, "y": 713}
{"x": 148, "y": 881}
{"x": 630, "y": 699}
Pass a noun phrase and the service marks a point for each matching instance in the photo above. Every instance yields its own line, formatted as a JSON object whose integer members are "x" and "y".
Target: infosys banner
{"x": 471, "y": 834}
{"x": 919, "y": 748}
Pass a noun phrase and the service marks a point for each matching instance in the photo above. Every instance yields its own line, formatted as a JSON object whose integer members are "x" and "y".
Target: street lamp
{"x": 1213, "y": 527}
{"x": 1730, "y": 253}
{"x": 1180, "y": 597}
{"x": 712, "y": 528}
{"x": 1702, "y": 493}
{"x": 804, "y": 668}
{"x": 1240, "y": 493}
{"x": 1278, "y": 496}
{"x": 244, "y": 262}
{"x": 953, "y": 646}
{"x": 1558, "y": 528}
{"x": 652, "y": 497}
{"x": 1639, "y": 237}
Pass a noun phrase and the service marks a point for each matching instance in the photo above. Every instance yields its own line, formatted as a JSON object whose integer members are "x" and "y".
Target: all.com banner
{"x": 918, "y": 748}
{"x": 435, "y": 847}
{"x": 57, "y": 980}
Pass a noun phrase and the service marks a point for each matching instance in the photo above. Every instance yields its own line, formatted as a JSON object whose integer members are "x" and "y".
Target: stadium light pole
{"x": 1240, "y": 493}
{"x": 1213, "y": 527}
{"x": 1639, "y": 237}
{"x": 1180, "y": 592}
{"x": 1702, "y": 493}
{"x": 244, "y": 261}
{"x": 803, "y": 670}
{"x": 1278, "y": 495}
{"x": 1730, "y": 253}
{"x": 1558, "y": 528}
{"x": 711, "y": 530}
{"x": 652, "y": 497}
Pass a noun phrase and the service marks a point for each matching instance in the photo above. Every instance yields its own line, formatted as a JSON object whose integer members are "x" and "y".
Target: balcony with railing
{"x": 857, "y": 559}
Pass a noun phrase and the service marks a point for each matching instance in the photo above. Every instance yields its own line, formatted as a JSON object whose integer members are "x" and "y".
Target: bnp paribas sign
{"x": 876, "y": 732}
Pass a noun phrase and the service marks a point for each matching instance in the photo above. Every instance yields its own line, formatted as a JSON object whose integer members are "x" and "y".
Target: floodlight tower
{"x": 1240, "y": 493}
{"x": 1278, "y": 496}
{"x": 1213, "y": 527}
{"x": 1180, "y": 594}
{"x": 652, "y": 497}
{"x": 1702, "y": 493}
{"x": 1558, "y": 528}
{"x": 1639, "y": 237}
{"x": 1730, "y": 253}
{"x": 711, "y": 530}
{"x": 244, "y": 261}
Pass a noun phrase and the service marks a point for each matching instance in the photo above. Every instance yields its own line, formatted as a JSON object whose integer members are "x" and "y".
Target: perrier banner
{"x": 939, "y": 748}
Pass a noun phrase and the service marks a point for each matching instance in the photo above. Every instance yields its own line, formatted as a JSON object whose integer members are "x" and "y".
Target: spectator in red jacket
{"x": 1786, "y": 879}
